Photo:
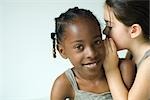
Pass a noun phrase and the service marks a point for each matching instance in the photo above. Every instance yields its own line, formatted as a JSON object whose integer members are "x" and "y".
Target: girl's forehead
{"x": 73, "y": 28}
{"x": 83, "y": 23}
{"x": 81, "y": 28}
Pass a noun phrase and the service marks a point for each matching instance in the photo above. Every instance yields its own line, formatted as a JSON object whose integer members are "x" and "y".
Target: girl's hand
{"x": 111, "y": 58}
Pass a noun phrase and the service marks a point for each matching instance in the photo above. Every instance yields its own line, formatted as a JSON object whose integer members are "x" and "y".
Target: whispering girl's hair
{"x": 64, "y": 20}
{"x": 131, "y": 12}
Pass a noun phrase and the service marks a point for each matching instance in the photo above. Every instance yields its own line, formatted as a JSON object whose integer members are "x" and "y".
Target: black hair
{"x": 64, "y": 19}
{"x": 131, "y": 12}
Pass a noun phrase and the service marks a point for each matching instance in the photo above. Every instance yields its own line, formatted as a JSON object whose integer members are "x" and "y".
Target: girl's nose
{"x": 107, "y": 30}
{"x": 90, "y": 52}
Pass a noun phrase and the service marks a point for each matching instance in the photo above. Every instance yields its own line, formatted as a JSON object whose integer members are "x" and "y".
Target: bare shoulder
{"x": 144, "y": 68}
{"x": 61, "y": 88}
{"x": 141, "y": 87}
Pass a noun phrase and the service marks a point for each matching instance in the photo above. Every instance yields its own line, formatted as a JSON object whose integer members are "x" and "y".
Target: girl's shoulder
{"x": 144, "y": 63}
{"x": 145, "y": 66}
{"x": 62, "y": 86}
{"x": 63, "y": 81}
{"x": 141, "y": 88}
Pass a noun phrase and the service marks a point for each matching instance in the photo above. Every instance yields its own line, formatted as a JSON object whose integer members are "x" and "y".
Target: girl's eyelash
{"x": 99, "y": 41}
{"x": 78, "y": 46}
{"x": 107, "y": 23}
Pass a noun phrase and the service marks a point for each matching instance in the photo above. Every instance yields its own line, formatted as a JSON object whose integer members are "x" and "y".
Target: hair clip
{"x": 53, "y": 35}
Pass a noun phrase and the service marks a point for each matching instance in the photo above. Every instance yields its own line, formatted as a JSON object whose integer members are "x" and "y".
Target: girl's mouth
{"x": 90, "y": 65}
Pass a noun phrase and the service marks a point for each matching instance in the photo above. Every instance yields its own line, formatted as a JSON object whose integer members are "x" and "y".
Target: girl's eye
{"x": 79, "y": 47}
{"x": 98, "y": 42}
{"x": 108, "y": 23}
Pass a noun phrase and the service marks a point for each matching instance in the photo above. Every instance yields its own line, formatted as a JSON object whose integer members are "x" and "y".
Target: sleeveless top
{"x": 83, "y": 95}
{"x": 147, "y": 54}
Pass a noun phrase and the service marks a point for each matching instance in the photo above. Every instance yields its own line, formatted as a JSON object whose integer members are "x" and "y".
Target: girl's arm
{"x": 140, "y": 88}
{"x": 61, "y": 89}
{"x": 128, "y": 71}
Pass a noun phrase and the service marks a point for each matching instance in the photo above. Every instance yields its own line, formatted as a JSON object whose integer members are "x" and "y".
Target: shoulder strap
{"x": 147, "y": 54}
{"x": 70, "y": 75}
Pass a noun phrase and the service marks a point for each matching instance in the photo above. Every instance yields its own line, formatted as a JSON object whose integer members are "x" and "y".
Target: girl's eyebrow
{"x": 77, "y": 41}
{"x": 80, "y": 41}
{"x": 98, "y": 36}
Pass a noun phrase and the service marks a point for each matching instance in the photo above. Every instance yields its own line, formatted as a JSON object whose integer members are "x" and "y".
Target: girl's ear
{"x": 135, "y": 30}
{"x": 61, "y": 50}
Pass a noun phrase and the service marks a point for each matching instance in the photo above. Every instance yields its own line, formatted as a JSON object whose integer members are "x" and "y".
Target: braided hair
{"x": 64, "y": 19}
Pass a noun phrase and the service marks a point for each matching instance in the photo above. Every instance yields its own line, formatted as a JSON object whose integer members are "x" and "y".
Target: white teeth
{"x": 91, "y": 65}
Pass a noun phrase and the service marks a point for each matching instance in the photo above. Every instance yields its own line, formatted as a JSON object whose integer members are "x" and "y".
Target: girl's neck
{"x": 89, "y": 74}
{"x": 138, "y": 50}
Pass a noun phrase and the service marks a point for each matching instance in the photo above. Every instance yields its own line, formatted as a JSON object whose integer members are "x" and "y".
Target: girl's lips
{"x": 90, "y": 64}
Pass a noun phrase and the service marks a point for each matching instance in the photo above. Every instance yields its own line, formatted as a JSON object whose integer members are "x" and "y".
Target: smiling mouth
{"x": 90, "y": 64}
